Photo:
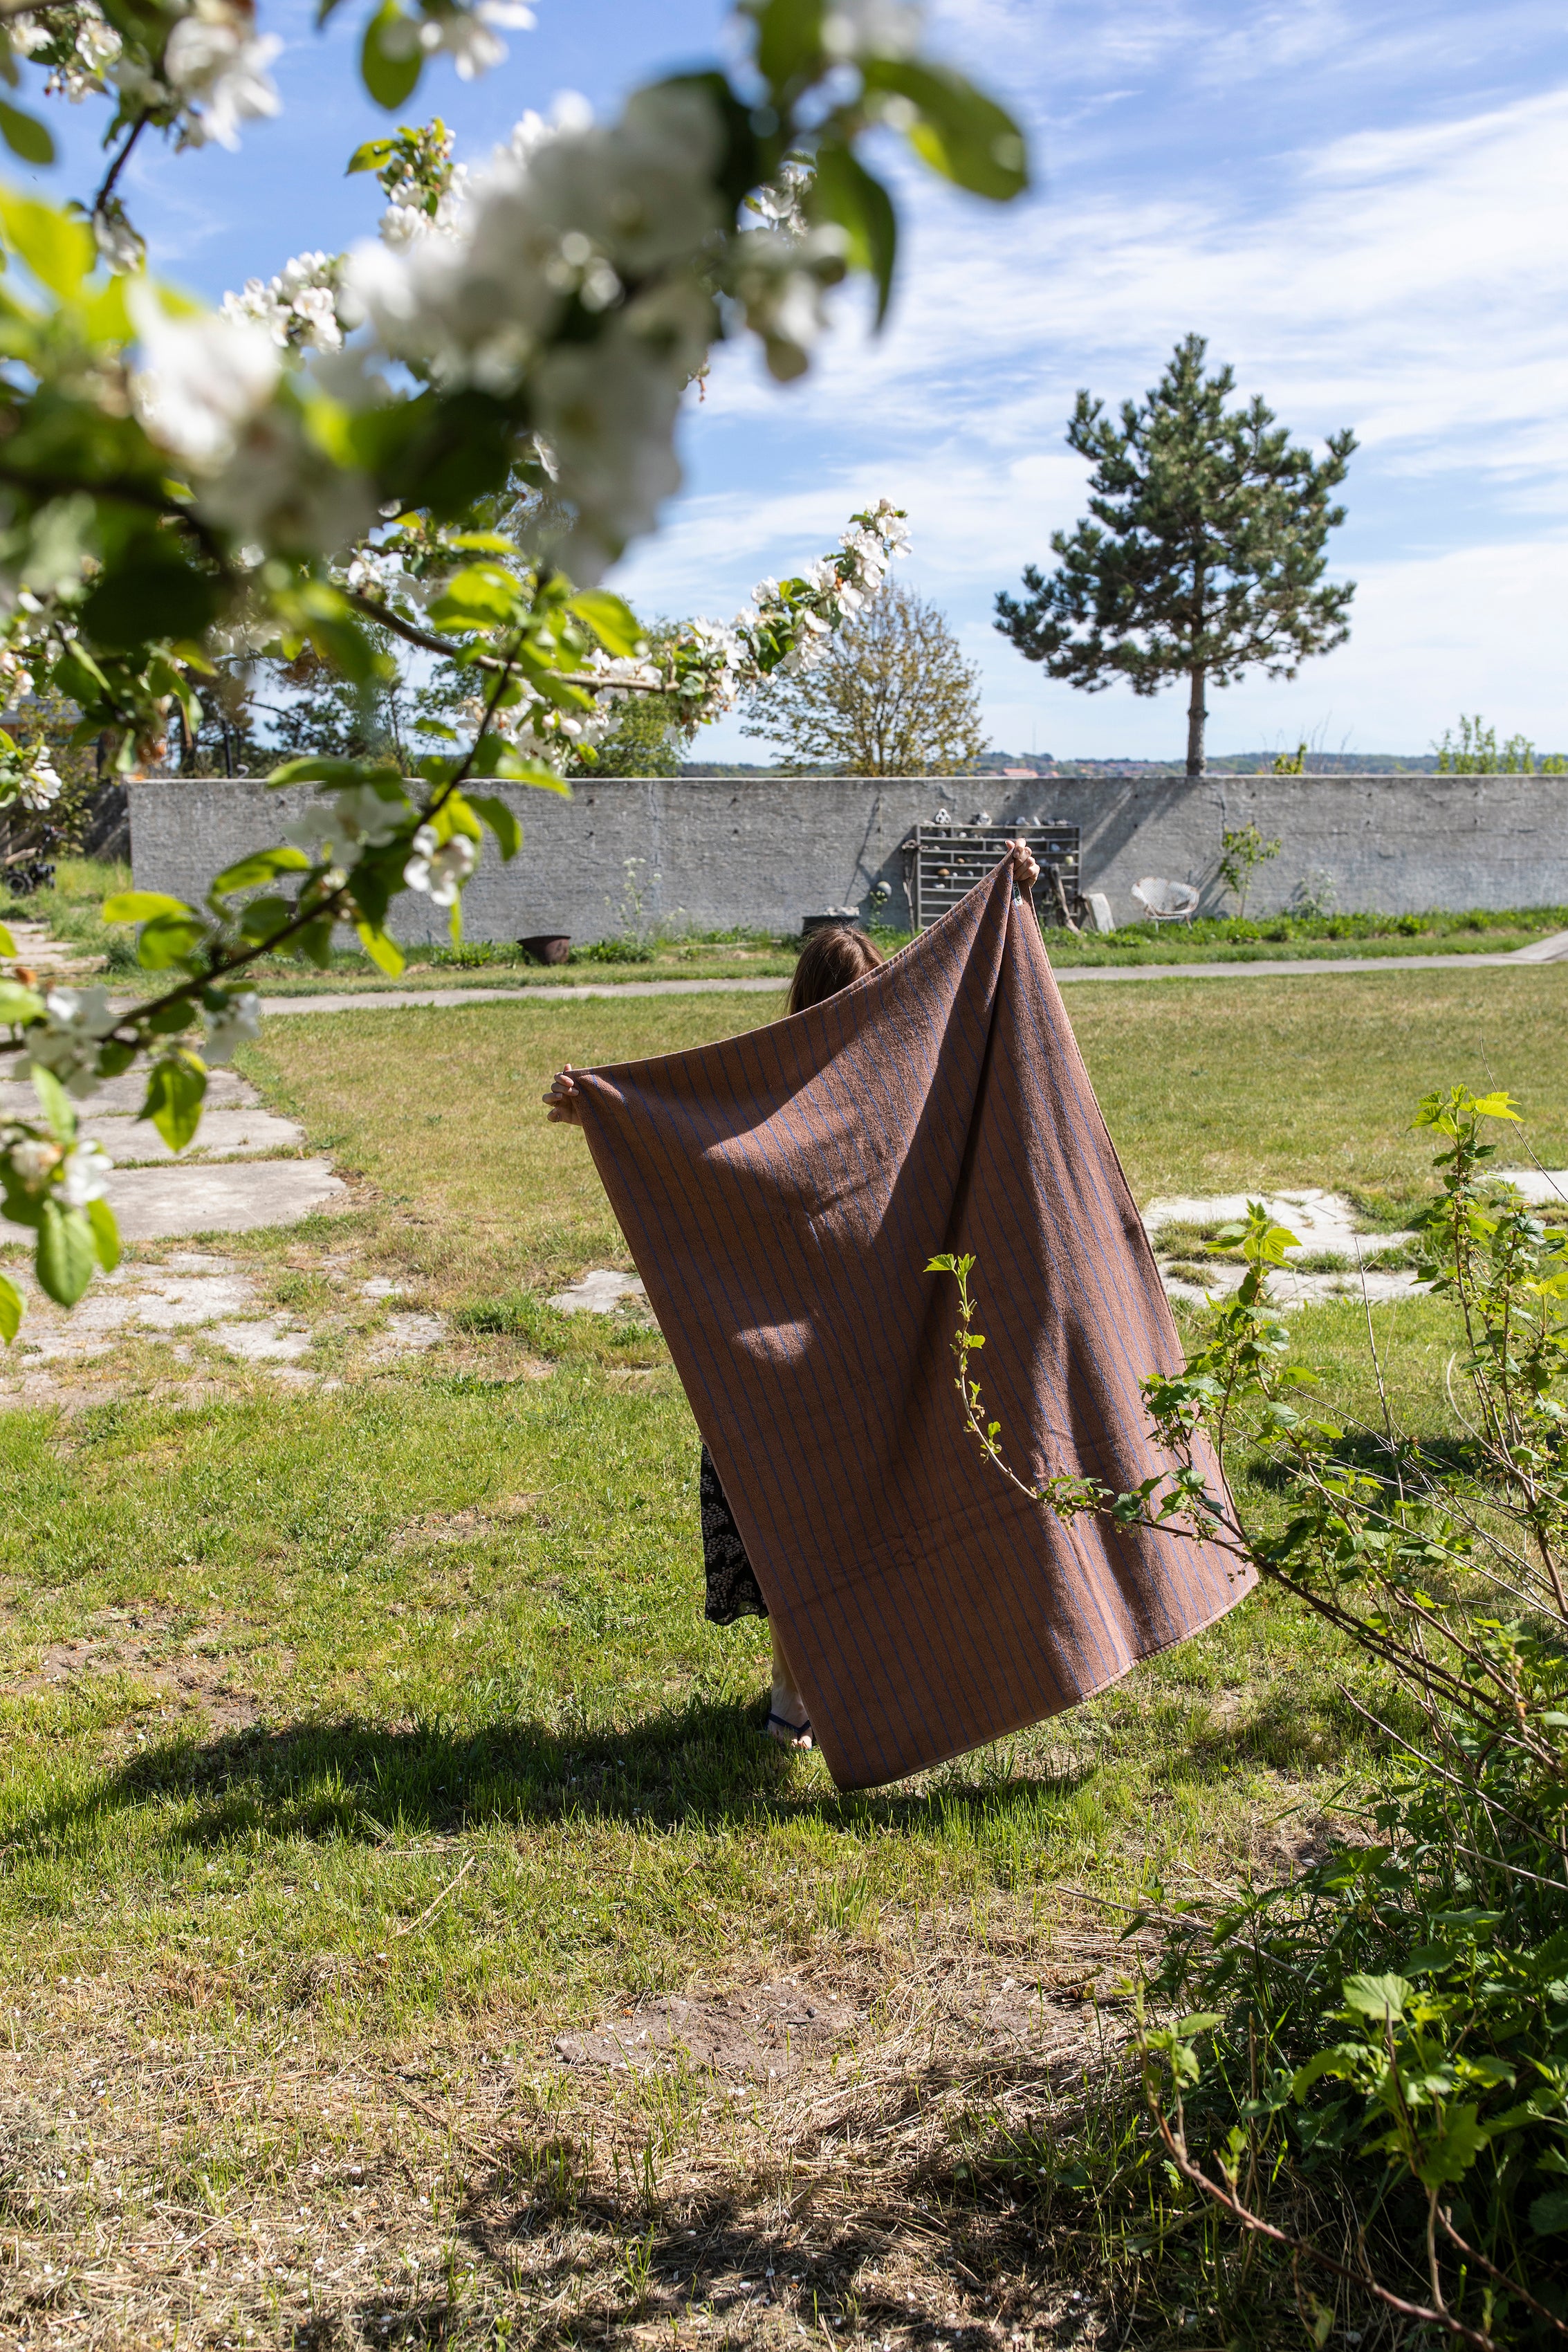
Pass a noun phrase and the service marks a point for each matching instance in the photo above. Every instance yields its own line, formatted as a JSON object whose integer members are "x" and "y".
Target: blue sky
{"x": 1361, "y": 206}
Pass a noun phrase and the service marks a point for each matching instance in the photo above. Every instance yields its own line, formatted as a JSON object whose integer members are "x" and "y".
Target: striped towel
{"x": 781, "y": 1193}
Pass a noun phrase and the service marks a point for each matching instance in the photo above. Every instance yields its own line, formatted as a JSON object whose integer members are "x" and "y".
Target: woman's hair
{"x": 830, "y": 960}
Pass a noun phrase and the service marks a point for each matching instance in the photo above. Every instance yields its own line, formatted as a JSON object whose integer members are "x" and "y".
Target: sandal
{"x": 799, "y": 1733}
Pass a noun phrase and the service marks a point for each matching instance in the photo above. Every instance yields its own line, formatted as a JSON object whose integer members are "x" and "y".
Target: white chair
{"x": 1165, "y": 902}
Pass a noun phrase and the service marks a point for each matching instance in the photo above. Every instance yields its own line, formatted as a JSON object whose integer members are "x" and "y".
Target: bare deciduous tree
{"x": 892, "y": 696}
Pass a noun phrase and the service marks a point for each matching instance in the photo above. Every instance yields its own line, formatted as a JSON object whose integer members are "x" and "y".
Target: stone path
{"x": 398, "y": 1000}
{"x": 224, "y": 1184}
{"x": 1323, "y": 1224}
{"x": 197, "y": 1294}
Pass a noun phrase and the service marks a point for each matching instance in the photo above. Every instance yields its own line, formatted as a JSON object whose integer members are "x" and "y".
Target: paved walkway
{"x": 398, "y": 1000}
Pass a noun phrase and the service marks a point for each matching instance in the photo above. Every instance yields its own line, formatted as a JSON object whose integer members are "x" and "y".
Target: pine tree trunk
{"x": 1196, "y": 717}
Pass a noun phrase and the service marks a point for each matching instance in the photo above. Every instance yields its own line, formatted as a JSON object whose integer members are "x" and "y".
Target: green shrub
{"x": 1364, "y": 2069}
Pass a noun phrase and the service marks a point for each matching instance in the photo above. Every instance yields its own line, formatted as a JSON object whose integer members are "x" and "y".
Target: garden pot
{"x": 547, "y": 947}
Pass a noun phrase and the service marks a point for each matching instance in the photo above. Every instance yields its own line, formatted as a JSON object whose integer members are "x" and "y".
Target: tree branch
{"x": 120, "y": 160}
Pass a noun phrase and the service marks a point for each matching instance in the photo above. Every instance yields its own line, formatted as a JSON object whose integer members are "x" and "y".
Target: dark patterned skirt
{"x": 732, "y": 1590}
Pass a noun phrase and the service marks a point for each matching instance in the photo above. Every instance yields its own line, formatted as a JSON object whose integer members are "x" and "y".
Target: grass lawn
{"x": 71, "y": 911}
{"x": 375, "y": 1805}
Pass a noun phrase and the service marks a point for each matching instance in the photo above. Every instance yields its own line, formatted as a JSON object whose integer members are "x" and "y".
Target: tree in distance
{"x": 1204, "y": 556}
{"x": 891, "y": 696}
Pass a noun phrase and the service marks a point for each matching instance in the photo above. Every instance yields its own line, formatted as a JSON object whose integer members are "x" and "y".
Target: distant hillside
{"x": 1022, "y": 765}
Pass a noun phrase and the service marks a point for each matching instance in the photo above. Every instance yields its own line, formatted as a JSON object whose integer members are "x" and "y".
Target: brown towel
{"x": 781, "y": 1193}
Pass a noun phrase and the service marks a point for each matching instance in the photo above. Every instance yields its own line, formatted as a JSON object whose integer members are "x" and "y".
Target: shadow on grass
{"x": 707, "y": 1764}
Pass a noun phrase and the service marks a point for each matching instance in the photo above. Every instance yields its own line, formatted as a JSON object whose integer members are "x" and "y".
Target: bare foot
{"x": 787, "y": 1732}
{"x": 788, "y": 1722}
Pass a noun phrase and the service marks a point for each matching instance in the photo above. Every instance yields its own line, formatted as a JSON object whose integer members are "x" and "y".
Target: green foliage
{"x": 1242, "y": 850}
{"x": 1204, "y": 554}
{"x": 892, "y": 695}
{"x": 1388, "y": 2033}
{"x": 1475, "y": 751}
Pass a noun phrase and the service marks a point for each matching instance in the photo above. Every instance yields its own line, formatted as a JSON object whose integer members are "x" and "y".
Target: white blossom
{"x": 298, "y": 307}
{"x": 339, "y": 834}
{"x": 118, "y": 243}
{"x": 218, "y": 66}
{"x": 572, "y": 210}
{"x": 440, "y": 868}
{"x": 238, "y": 1023}
{"x": 97, "y": 43}
{"x": 860, "y": 28}
{"x": 563, "y": 205}
{"x": 33, "y": 1159}
{"x": 780, "y": 277}
{"x": 84, "y": 1175}
{"x": 75, "y": 1023}
{"x": 38, "y": 785}
{"x": 202, "y": 380}
{"x": 472, "y": 44}
{"x": 27, "y": 35}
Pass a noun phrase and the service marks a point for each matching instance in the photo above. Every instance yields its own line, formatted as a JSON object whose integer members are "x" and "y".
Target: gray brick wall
{"x": 707, "y": 851}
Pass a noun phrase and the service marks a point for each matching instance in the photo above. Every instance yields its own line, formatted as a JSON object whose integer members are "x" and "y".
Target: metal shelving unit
{"x": 942, "y": 862}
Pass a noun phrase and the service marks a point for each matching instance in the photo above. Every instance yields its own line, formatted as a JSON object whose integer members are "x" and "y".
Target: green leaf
{"x": 1324, "y": 2062}
{"x": 371, "y": 155}
{"x": 383, "y": 951}
{"x": 1548, "y": 2212}
{"x": 845, "y": 192}
{"x": 18, "y": 1004}
{"x": 64, "y": 1256}
{"x": 316, "y": 768}
{"x": 105, "y": 1235}
{"x": 495, "y": 758}
{"x": 263, "y": 918}
{"x": 391, "y": 74}
{"x": 7, "y": 944}
{"x": 169, "y": 939}
{"x": 170, "y": 1019}
{"x": 145, "y": 596}
{"x": 481, "y": 596}
{"x": 25, "y": 135}
{"x": 1459, "y": 2142}
{"x": 788, "y": 38}
{"x": 1379, "y": 1997}
{"x": 57, "y": 246}
{"x": 10, "y": 1311}
{"x": 55, "y": 1105}
{"x": 142, "y": 905}
{"x": 248, "y": 872}
{"x": 611, "y": 619}
{"x": 1495, "y": 1106}
{"x": 175, "y": 1088}
{"x": 344, "y": 645}
{"x": 958, "y": 131}
{"x": 501, "y": 821}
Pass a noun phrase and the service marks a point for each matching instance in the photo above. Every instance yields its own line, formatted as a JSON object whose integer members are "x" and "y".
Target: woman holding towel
{"x": 832, "y": 959}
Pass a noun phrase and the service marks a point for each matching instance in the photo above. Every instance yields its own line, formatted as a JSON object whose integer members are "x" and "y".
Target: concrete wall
{"x": 713, "y": 851}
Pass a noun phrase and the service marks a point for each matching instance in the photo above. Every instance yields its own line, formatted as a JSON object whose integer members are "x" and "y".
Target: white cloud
{"x": 1409, "y": 277}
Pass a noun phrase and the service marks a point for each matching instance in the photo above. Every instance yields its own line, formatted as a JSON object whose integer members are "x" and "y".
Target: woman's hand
{"x": 564, "y": 1100}
{"x": 1026, "y": 866}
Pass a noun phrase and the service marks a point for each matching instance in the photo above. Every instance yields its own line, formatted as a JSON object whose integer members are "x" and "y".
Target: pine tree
{"x": 1204, "y": 554}
{"x": 892, "y": 695}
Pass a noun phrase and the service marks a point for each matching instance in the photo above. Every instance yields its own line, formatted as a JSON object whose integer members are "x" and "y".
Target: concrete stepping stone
{"x": 408, "y": 1335}
{"x": 238, "y": 1197}
{"x": 1542, "y": 1187}
{"x": 223, "y": 1132}
{"x": 1319, "y": 1220}
{"x": 191, "y": 1292}
{"x": 123, "y": 1096}
{"x": 601, "y": 1292}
